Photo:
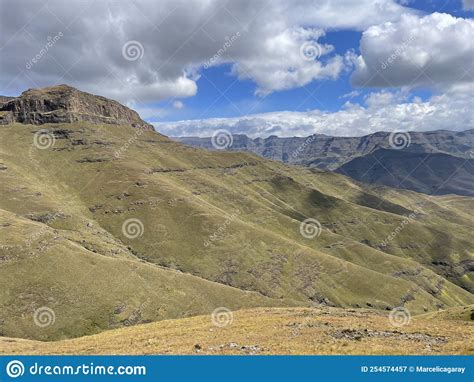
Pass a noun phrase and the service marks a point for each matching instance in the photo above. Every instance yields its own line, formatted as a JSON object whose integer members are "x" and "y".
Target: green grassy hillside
{"x": 212, "y": 229}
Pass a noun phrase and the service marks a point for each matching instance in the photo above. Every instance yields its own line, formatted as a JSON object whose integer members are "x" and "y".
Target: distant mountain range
{"x": 435, "y": 173}
{"x": 434, "y": 162}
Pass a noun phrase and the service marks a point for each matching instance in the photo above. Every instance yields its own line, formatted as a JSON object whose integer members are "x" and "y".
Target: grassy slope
{"x": 182, "y": 196}
{"x": 271, "y": 331}
{"x": 90, "y": 292}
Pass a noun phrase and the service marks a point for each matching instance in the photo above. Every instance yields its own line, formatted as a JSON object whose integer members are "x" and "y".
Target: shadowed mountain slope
{"x": 434, "y": 174}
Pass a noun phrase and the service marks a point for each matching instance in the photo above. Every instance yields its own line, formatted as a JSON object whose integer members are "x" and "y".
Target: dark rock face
{"x": 65, "y": 104}
{"x": 4, "y": 99}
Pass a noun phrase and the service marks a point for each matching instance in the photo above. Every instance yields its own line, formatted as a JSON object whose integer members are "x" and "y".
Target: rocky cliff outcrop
{"x": 64, "y": 104}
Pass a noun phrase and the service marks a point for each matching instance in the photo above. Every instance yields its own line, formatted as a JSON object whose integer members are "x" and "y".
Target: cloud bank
{"x": 146, "y": 51}
{"x": 435, "y": 50}
{"x": 142, "y": 51}
{"x": 384, "y": 111}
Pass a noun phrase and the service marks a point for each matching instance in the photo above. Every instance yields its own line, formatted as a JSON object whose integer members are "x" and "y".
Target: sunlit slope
{"x": 459, "y": 313}
{"x": 271, "y": 331}
{"x": 230, "y": 218}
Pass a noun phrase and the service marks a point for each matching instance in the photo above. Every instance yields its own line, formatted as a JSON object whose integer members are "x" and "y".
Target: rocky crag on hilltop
{"x": 65, "y": 104}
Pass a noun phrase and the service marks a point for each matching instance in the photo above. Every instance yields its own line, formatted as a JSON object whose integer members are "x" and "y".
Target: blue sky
{"x": 327, "y": 95}
{"x": 165, "y": 59}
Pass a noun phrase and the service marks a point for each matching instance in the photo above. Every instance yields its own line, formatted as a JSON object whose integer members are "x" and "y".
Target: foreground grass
{"x": 274, "y": 331}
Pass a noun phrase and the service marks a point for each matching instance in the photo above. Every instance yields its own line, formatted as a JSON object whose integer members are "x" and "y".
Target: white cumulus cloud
{"x": 435, "y": 51}
{"x": 151, "y": 50}
{"x": 382, "y": 111}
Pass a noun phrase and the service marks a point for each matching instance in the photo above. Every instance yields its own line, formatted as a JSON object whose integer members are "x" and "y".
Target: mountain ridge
{"x": 337, "y": 153}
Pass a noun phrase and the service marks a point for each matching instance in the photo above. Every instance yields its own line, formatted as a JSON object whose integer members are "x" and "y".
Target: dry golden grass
{"x": 271, "y": 331}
